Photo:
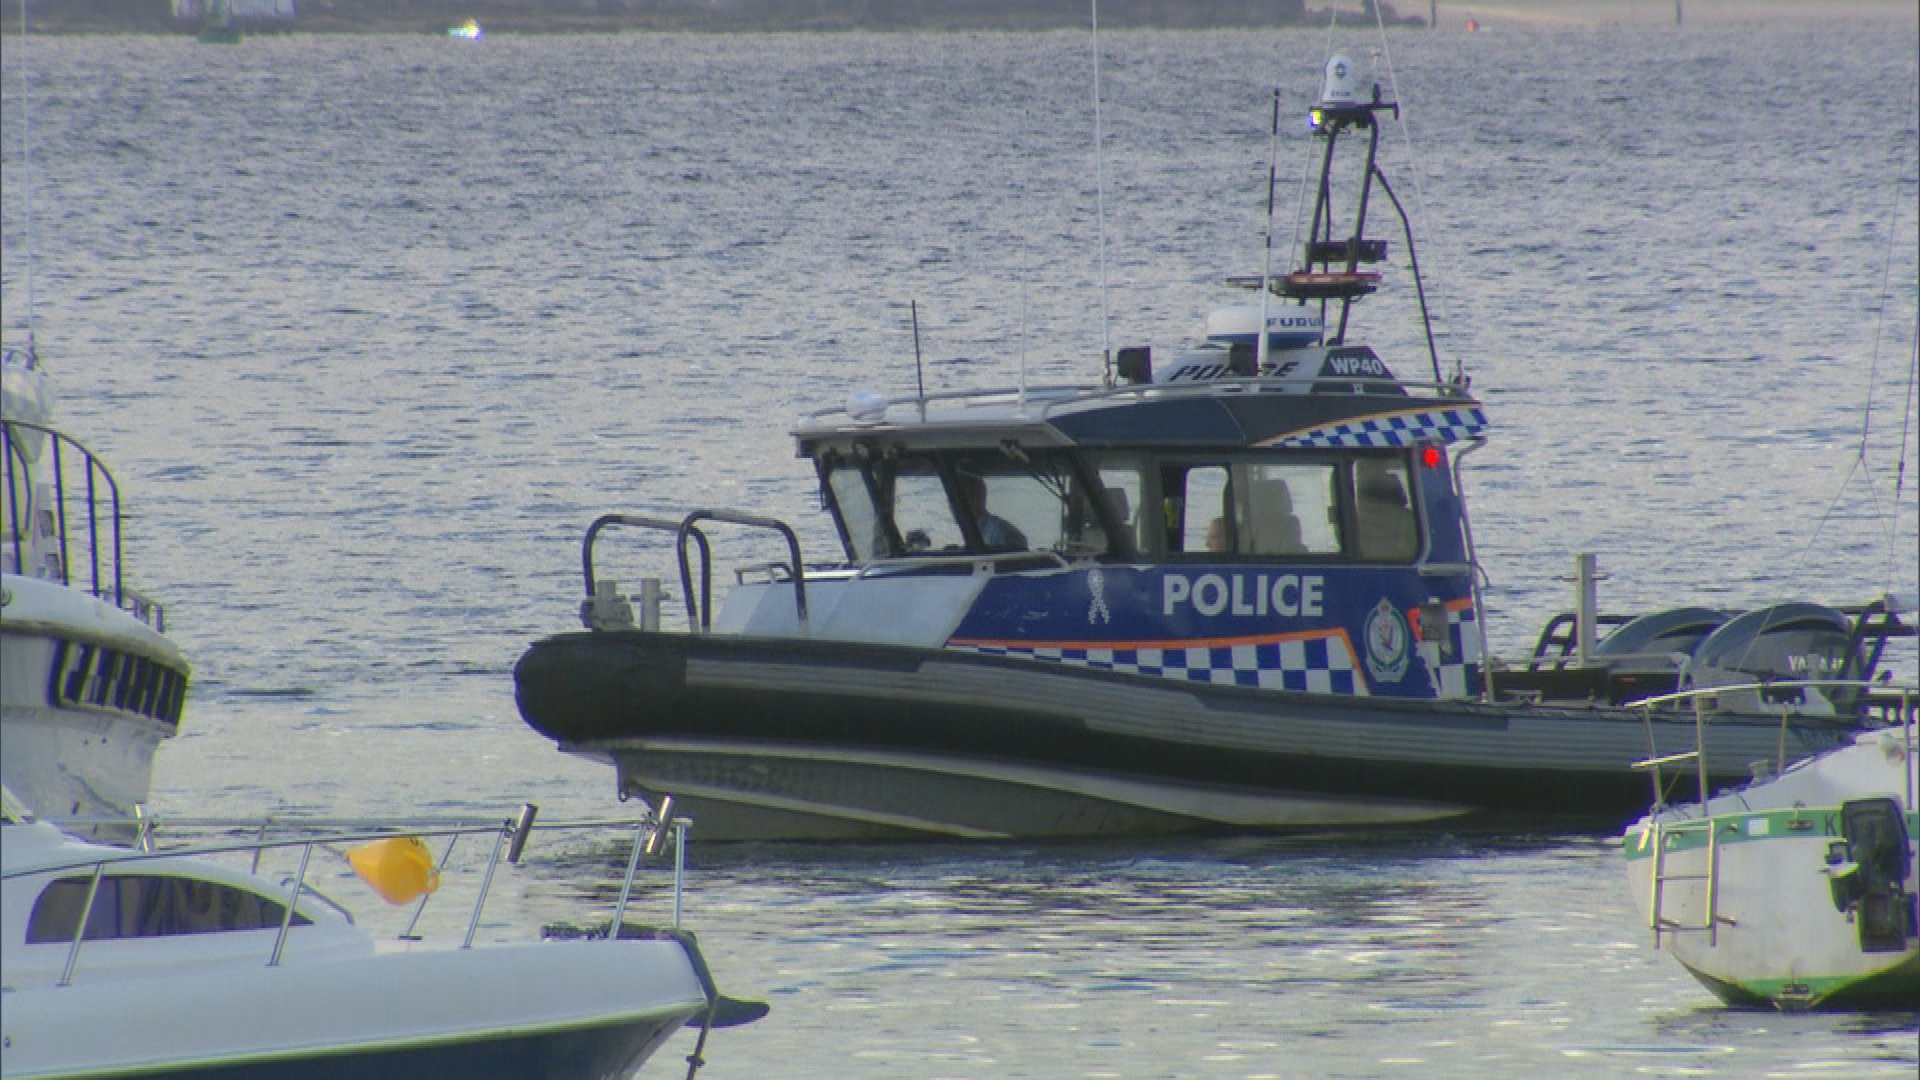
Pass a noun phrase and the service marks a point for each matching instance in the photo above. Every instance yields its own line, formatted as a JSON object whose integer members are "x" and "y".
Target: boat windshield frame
{"x": 1343, "y": 505}
{"x": 977, "y": 501}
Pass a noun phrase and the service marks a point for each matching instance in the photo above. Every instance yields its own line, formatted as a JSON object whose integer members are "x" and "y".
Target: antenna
{"x": 1266, "y": 268}
{"x": 26, "y": 159}
{"x": 1100, "y": 205}
{"x": 1022, "y": 405}
{"x": 919, "y": 376}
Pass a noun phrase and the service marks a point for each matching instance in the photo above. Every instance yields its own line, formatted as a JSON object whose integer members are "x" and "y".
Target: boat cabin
{"x": 1286, "y": 522}
{"x": 991, "y": 489}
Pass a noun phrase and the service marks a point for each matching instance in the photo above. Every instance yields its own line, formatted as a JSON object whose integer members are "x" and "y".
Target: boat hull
{"x": 591, "y": 1009}
{"x": 612, "y": 1051}
{"x": 764, "y": 790}
{"x": 69, "y": 763}
{"x": 1746, "y": 899}
{"x": 793, "y": 738}
{"x": 87, "y": 694}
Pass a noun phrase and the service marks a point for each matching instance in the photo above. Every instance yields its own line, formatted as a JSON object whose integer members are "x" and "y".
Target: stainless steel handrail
{"x": 1049, "y": 397}
{"x": 1908, "y": 700}
{"x": 681, "y": 532}
{"x": 700, "y": 602}
{"x": 797, "y": 567}
{"x": 105, "y": 559}
{"x": 651, "y": 832}
{"x": 1775, "y": 684}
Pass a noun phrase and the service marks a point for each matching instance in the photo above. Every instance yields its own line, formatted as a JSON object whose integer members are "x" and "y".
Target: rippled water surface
{"x": 372, "y": 328}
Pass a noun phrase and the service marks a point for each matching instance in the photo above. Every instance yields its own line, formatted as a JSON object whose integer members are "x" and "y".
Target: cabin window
{"x": 922, "y": 514}
{"x": 988, "y": 500}
{"x": 1123, "y": 488}
{"x": 1022, "y": 502}
{"x": 1290, "y": 509}
{"x": 866, "y": 533}
{"x": 1383, "y": 513}
{"x": 1251, "y": 508}
{"x": 1200, "y": 519}
{"x": 1357, "y": 508}
{"x": 150, "y": 905}
{"x": 991, "y": 501}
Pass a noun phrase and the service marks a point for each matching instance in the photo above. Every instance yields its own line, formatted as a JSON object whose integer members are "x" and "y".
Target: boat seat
{"x": 1118, "y": 503}
{"x": 1122, "y": 510}
{"x": 1273, "y": 528}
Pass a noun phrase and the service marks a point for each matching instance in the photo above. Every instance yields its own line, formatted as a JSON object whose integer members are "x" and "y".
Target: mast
{"x": 1330, "y": 268}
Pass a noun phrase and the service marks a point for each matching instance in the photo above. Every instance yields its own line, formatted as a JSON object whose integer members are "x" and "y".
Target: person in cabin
{"x": 996, "y": 532}
{"x": 1219, "y": 534}
{"x": 1267, "y": 526}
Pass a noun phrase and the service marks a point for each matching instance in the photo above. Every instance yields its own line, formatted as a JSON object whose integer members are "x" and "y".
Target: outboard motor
{"x": 1785, "y": 642}
{"x": 1868, "y": 874}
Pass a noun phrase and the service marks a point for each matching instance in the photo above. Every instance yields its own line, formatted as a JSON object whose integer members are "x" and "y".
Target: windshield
{"x": 987, "y": 501}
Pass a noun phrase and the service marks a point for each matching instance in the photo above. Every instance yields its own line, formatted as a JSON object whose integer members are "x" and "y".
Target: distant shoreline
{"x": 545, "y": 24}
{"x": 496, "y": 17}
{"x": 548, "y": 26}
{"x": 434, "y": 17}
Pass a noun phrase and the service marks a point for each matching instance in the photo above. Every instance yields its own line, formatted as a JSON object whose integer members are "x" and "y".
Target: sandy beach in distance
{"x": 1492, "y": 13}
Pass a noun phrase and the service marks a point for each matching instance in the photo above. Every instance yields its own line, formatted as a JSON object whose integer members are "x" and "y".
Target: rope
{"x": 1413, "y": 163}
{"x": 1894, "y": 232}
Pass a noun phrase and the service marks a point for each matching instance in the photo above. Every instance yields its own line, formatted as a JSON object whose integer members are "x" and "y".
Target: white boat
{"x": 1798, "y": 889}
{"x": 191, "y": 966}
{"x": 90, "y": 684}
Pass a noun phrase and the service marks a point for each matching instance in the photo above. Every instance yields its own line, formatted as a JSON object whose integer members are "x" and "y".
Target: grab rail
{"x": 103, "y": 555}
{"x": 680, "y": 530}
{"x": 1903, "y": 701}
{"x": 798, "y": 568}
{"x": 700, "y": 604}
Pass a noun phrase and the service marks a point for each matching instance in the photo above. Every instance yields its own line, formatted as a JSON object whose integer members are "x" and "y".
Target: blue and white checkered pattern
{"x": 1393, "y": 429}
{"x": 1318, "y": 665}
{"x": 1465, "y": 631}
{"x": 1321, "y": 664}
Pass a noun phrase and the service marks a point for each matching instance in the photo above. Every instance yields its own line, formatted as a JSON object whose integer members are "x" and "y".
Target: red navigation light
{"x": 1430, "y": 456}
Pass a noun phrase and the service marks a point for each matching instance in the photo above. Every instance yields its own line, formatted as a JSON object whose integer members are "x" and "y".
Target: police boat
{"x": 1229, "y": 590}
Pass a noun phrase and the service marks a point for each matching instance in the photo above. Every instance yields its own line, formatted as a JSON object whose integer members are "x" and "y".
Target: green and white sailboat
{"x": 1799, "y": 889}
